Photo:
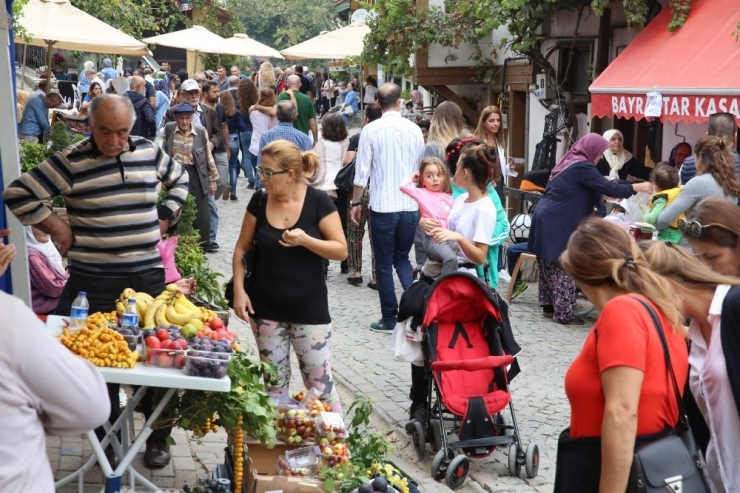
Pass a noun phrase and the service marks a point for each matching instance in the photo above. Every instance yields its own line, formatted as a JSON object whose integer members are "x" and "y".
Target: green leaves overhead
{"x": 284, "y": 23}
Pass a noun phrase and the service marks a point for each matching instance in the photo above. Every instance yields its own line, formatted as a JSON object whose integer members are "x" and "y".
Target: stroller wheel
{"x": 419, "y": 438}
{"x": 532, "y": 460}
{"x": 504, "y": 423}
{"x": 457, "y": 472}
{"x": 440, "y": 462}
{"x": 436, "y": 437}
{"x": 515, "y": 467}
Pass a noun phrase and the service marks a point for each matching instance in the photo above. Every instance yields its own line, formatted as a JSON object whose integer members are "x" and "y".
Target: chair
{"x": 524, "y": 257}
{"x": 77, "y": 96}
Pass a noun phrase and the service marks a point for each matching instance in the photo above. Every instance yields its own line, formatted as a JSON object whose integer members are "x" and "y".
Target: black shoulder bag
{"x": 250, "y": 257}
{"x": 345, "y": 179}
{"x": 674, "y": 462}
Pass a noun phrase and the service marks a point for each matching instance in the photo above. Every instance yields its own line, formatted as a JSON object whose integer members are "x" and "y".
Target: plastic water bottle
{"x": 130, "y": 317}
{"x": 80, "y": 307}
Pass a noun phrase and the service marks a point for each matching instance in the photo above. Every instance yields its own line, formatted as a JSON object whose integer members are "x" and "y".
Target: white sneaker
{"x": 504, "y": 276}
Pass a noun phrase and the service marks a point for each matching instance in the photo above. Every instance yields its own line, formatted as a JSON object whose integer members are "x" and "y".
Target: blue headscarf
{"x": 161, "y": 85}
{"x": 128, "y": 71}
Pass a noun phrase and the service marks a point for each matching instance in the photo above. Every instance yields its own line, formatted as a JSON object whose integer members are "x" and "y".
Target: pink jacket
{"x": 46, "y": 284}
{"x": 432, "y": 205}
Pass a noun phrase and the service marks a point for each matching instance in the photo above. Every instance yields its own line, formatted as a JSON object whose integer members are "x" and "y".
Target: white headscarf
{"x": 616, "y": 161}
{"x": 47, "y": 249}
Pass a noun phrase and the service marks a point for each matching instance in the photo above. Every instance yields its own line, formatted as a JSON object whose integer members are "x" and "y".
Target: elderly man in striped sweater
{"x": 109, "y": 183}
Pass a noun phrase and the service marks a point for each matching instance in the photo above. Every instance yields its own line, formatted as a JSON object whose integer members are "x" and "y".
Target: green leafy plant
{"x": 60, "y": 138}
{"x": 210, "y": 290}
{"x": 31, "y": 155}
{"x": 367, "y": 449}
{"x": 247, "y": 398}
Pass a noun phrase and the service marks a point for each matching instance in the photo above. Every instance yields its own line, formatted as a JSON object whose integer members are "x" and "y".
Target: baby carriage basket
{"x": 468, "y": 346}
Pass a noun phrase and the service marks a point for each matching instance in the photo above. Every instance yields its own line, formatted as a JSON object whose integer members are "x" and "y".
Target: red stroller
{"x": 466, "y": 329}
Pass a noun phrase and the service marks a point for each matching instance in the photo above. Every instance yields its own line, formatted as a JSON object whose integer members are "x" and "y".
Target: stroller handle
{"x": 473, "y": 364}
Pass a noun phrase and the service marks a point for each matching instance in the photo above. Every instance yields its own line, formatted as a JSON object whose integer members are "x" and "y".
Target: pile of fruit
{"x": 295, "y": 426}
{"x": 389, "y": 473}
{"x": 332, "y": 432}
{"x": 171, "y": 307}
{"x": 302, "y": 462}
{"x": 202, "y": 430}
{"x": 165, "y": 347}
{"x": 98, "y": 343}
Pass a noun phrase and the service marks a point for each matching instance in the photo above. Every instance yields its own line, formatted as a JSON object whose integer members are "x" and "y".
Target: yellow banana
{"x": 120, "y": 308}
{"x": 187, "y": 303}
{"x": 180, "y": 307}
{"x": 160, "y": 317}
{"x": 178, "y": 318}
{"x": 173, "y": 288}
{"x": 149, "y": 320}
{"x": 127, "y": 293}
{"x": 145, "y": 297}
{"x": 164, "y": 296}
{"x": 142, "y": 307}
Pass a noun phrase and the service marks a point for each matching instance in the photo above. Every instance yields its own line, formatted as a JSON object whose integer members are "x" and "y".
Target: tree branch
{"x": 566, "y": 75}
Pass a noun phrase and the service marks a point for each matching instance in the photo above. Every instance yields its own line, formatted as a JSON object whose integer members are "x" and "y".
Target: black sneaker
{"x": 548, "y": 311}
{"x": 233, "y": 197}
{"x": 417, "y": 413}
{"x": 381, "y": 326}
{"x": 250, "y": 186}
{"x": 213, "y": 247}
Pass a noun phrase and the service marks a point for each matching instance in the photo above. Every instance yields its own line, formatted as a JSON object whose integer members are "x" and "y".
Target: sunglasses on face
{"x": 693, "y": 228}
{"x": 266, "y": 173}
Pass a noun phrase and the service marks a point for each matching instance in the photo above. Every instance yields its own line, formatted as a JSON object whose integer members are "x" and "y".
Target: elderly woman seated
{"x": 47, "y": 272}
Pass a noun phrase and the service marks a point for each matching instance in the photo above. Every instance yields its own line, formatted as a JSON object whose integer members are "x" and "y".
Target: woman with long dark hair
{"x": 246, "y": 96}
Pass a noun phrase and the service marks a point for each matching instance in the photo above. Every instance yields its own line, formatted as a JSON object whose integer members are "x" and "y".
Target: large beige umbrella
{"x": 252, "y": 47}
{"x": 57, "y": 24}
{"x": 340, "y": 43}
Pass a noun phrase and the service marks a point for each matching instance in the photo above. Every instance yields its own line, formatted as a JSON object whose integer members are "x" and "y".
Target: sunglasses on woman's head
{"x": 266, "y": 173}
{"x": 693, "y": 228}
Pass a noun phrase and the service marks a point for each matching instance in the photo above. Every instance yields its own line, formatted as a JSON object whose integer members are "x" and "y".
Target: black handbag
{"x": 345, "y": 179}
{"x": 674, "y": 462}
{"x": 249, "y": 259}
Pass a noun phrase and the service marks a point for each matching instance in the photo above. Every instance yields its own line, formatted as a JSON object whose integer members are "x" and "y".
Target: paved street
{"x": 362, "y": 365}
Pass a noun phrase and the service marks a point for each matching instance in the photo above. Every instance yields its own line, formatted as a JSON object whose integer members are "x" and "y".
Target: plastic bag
{"x": 167, "y": 252}
{"x": 404, "y": 348}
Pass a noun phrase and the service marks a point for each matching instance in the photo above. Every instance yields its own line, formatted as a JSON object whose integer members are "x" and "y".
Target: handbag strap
{"x": 683, "y": 419}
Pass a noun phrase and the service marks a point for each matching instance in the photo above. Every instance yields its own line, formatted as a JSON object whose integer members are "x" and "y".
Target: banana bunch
{"x": 171, "y": 308}
{"x": 143, "y": 302}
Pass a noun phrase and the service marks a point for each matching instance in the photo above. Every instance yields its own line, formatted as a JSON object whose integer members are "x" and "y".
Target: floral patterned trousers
{"x": 557, "y": 290}
{"x": 355, "y": 235}
{"x": 313, "y": 349}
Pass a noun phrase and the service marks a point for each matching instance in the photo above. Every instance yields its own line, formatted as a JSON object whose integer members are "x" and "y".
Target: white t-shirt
{"x": 475, "y": 221}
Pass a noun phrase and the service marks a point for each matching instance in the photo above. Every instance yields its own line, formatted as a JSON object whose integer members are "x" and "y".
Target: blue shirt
{"x": 285, "y": 131}
{"x": 109, "y": 73}
{"x": 160, "y": 107}
{"x": 35, "y": 119}
{"x": 350, "y": 99}
{"x": 83, "y": 85}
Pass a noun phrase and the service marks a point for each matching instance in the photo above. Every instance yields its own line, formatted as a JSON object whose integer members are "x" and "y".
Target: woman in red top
{"x": 619, "y": 389}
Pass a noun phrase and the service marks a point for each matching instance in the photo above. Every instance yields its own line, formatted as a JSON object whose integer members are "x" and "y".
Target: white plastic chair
{"x": 78, "y": 99}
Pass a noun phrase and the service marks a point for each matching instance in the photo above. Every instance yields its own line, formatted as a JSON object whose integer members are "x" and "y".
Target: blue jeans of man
{"x": 233, "y": 161}
{"x": 246, "y": 162}
{"x": 213, "y": 208}
{"x": 257, "y": 180}
{"x": 512, "y": 254}
{"x": 392, "y": 235}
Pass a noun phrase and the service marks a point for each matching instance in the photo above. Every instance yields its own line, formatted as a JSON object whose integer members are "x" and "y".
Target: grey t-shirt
{"x": 698, "y": 188}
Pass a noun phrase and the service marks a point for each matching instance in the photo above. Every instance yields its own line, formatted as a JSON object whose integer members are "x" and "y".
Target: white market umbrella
{"x": 341, "y": 43}
{"x": 252, "y": 47}
{"x": 57, "y": 24}
{"x": 197, "y": 39}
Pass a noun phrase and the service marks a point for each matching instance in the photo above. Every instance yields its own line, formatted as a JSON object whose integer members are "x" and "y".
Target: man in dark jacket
{"x": 720, "y": 125}
{"x": 144, "y": 125}
{"x": 204, "y": 115}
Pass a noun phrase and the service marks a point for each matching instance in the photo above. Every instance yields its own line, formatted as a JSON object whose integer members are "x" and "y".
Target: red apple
{"x": 166, "y": 360}
{"x": 162, "y": 335}
{"x": 152, "y": 342}
{"x": 179, "y": 362}
{"x": 216, "y": 323}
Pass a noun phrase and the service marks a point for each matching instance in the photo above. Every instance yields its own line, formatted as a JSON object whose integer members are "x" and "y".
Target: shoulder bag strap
{"x": 682, "y": 419}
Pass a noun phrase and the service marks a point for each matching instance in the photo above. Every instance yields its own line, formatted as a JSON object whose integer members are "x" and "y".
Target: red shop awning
{"x": 696, "y": 68}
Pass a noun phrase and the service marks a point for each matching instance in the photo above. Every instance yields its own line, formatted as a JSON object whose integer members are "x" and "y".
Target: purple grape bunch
{"x": 207, "y": 358}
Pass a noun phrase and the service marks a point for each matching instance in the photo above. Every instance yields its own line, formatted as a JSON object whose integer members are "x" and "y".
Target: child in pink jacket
{"x": 430, "y": 187}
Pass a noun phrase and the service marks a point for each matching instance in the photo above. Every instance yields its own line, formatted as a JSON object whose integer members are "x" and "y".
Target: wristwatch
{"x": 354, "y": 204}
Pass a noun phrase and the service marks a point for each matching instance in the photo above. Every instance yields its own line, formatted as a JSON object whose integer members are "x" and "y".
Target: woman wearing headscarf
{"x": 618, "y": 163}
{"x": 574, "y": 189}
{"x": 162, "y": 103}
{"x": 47, "y": 273}
{"x": 679, "y": 153}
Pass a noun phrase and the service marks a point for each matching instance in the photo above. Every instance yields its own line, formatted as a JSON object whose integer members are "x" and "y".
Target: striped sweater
{"x": 111, "y": 203}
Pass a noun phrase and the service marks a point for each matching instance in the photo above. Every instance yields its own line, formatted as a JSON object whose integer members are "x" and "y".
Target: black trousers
{"x": 202, "y": 222}
{"x": 419, "y": 385}
{"x": 101, "y": 294}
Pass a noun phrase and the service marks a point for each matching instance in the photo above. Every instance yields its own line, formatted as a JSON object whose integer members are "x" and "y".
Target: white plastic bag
{"x": 404, "y": 348}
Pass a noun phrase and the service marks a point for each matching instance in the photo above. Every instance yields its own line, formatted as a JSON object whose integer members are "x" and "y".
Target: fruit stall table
{"x": 144, "y": 376}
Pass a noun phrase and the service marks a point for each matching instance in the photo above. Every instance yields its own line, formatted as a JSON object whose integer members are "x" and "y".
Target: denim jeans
{"x": 214, "y": 217}
{"x": 246, "y": 162}
{"x": 233, "y": 161}
{"x": 257, "y": 180}
{"x": 222, "y": 165}
{"x": 512, "y": 254}
{"x": 392, "y": 235}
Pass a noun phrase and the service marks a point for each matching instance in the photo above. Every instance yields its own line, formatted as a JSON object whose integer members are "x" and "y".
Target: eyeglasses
{"x": 267, "y": 173}
{"x": 200, "y": 80}
{"x": 694, "y": 228}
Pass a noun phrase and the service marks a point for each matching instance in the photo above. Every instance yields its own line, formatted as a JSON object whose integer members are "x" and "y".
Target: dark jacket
{"x": 631, "y": 167}
{"x": 200, "y": 141}
{"x": 568, "y": 200}
{"x": 144, "y": 126}
{"x": 212, "y": 125}
{"x": 688, "y": 168}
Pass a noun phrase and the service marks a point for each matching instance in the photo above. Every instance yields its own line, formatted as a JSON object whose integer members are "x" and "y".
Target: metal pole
{"x": 48, "y": 67}
{"x": 23, "y": 67}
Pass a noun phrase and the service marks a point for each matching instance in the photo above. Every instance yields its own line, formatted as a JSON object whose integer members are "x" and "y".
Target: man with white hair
{"x": 108, "y": 71}
{"x": 109, "y": 182}
{"x": 86, "y": 76}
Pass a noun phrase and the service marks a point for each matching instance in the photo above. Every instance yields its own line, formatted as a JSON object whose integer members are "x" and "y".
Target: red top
{"x": 626, "y": 337}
